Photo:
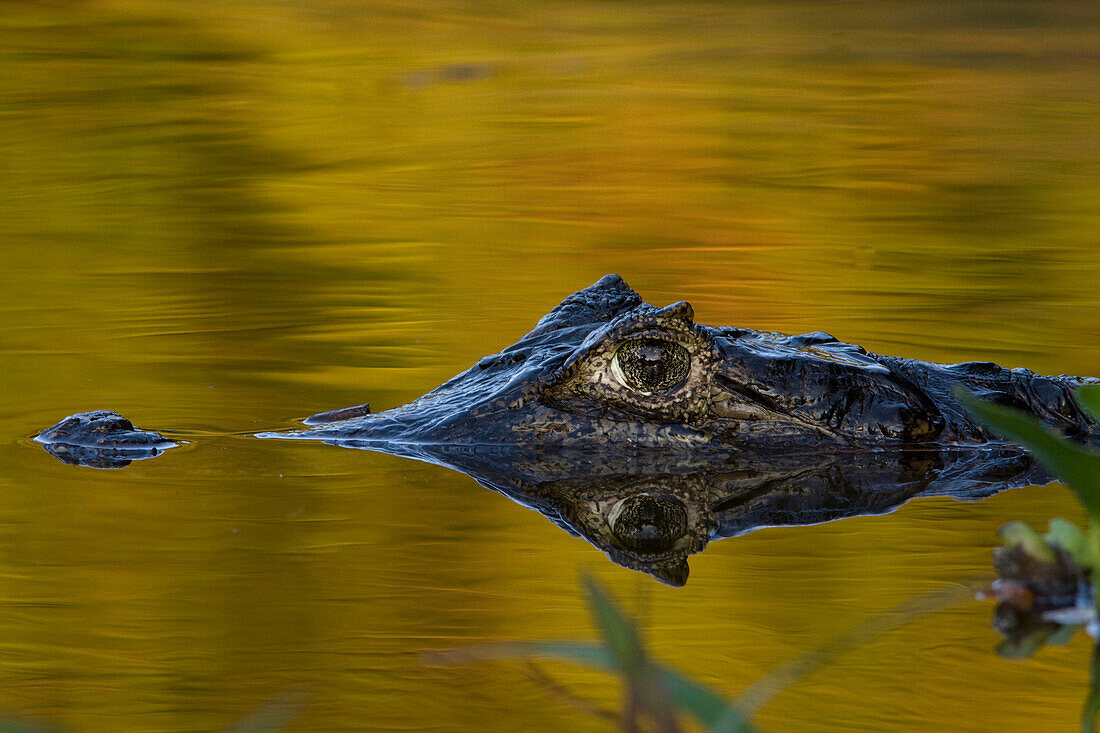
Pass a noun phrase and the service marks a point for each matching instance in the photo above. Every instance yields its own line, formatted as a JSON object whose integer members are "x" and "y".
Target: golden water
{"x": 221, "y": 216}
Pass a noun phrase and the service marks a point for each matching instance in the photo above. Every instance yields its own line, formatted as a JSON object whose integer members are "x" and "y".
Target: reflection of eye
{"x": 649, "y": 364}
{"x": 649, "y": 523}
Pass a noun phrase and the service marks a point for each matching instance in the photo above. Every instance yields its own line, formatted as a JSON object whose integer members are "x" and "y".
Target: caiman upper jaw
{"x": 381, "y": 429}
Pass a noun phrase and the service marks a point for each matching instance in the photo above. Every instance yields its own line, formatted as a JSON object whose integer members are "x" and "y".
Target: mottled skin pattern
{"x": 573, "y": 382}
{"x": 744, "y": 389}
{"x": 737, "y": 429}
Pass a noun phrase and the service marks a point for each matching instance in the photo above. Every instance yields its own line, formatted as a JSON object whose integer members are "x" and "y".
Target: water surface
{"x": 221, "y": 217}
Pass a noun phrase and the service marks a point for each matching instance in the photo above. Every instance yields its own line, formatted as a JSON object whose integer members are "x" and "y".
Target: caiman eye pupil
{"x": 650, "y": 364}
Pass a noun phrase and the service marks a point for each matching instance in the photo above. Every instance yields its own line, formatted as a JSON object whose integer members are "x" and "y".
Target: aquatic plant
{"x": 653, "y": 692}
{"x": 657, "y": 694}
{"x": 1064, "y": 548}
{"x": 1047, "y": 583}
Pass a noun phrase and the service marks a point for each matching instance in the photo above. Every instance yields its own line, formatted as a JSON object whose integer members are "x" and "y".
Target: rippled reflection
{"x": 651, "y": 511}
{"x": 218, "y": 216}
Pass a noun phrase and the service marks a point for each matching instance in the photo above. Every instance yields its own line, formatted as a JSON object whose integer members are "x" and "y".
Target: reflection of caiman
{"x": 650, "y": 435}
{"x": 651, "y": 512}
{"x": 606, "y": 369}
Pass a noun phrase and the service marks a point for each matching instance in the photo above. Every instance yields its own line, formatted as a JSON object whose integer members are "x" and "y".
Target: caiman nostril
{"x": 649, "y": 523}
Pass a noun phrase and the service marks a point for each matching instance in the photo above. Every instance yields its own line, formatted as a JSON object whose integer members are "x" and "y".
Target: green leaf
{"x": 704, "y": 704}
{"x": 1088, "y": 397}
{"x": 1062, "y": 635}
{"x": 590, "y": 655}
{"x": 621, "y": 651}
{"x": 1075, "y": 465}
{"x": 645, "y": 684}
{"x": 621, "y": 638}
{"x": 733, "y": 720}
{"x": 1092, "y": 702}
{"x": 780, "y": 678}
{"x": 1023, "y": 647}
{"x": 700, "y": 700}
{"x": 1019, "y": 534}
{"x": 1069, "y": 537}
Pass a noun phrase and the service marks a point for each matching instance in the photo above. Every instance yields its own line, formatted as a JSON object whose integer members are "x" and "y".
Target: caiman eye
{"x": 651, "y": 365}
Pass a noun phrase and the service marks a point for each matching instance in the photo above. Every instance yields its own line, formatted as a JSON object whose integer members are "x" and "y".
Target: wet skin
{"x": 650, "y": 435}
{"x": 605, "y": 368}
{"x": 101, "y": 439}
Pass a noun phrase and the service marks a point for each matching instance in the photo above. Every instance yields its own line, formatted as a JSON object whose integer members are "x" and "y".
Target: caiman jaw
{"x": 381, "y": 428}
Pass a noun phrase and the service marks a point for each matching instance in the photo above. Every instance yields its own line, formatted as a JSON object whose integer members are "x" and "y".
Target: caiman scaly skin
{"x": 650, "y": 435}
{"x": 606, "y": 369}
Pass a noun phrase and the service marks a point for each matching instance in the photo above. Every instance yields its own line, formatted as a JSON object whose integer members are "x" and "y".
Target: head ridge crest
{"x": 603, "y": 300}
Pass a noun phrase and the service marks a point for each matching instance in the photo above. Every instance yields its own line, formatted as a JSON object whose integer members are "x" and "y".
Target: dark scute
{"x": 344, "y": 413}
{"x": 85, "y": 424}
{"x": 505, "y": 358}
{"x": 811, "y": 339}
{"x": 597, "y": 303}
{"x": 753, "y": 396}
{"x": 980, "y": 369}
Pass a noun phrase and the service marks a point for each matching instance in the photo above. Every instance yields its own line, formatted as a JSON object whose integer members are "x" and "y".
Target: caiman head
{"x": 606, "y": 369}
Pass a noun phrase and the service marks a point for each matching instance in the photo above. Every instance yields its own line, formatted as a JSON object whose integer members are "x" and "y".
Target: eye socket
{"x": 651, "y": 364}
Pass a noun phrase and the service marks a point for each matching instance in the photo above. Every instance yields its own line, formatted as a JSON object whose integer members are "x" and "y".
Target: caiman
{"x": 605, "y": 369}
{"x": 649, "y": 434}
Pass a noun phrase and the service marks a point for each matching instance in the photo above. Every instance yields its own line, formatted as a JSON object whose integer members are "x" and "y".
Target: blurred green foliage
{"x": 1038, "y": 559}
{"x": 1073, "y": 463}
{"x": 653, "y": 692}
